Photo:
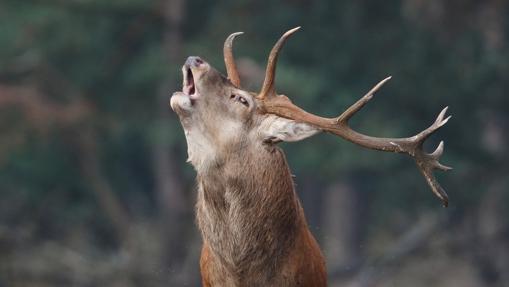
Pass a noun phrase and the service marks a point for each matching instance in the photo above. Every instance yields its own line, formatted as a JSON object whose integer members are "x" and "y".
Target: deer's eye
{"x": 243, "y": 101}
{"x": 240, "y": 99}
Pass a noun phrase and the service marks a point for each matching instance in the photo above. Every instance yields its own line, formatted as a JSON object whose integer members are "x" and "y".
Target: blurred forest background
{"x": 94, "y": 188}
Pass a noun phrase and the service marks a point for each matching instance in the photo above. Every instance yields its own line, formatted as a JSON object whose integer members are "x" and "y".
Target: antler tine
{"x": 429, "y": 162}
{"x": 346, "y": 115}
{"x": 413, "y": 146}
{"x": 268, "y": 89}
{"x": 229, "y": 60}
{"x": 439, "y": 122}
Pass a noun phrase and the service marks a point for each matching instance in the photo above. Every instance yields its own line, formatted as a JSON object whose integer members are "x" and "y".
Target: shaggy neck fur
{"x": 247, "y": 210}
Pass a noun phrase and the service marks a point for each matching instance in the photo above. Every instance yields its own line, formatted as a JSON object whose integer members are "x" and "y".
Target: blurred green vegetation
{"x": 109, "y": 59}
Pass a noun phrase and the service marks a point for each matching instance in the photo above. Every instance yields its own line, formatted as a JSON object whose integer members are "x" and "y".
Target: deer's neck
{"x": 247, "y": 209}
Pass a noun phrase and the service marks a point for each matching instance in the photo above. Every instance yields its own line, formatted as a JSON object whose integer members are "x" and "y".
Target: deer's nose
{"x": 194, "y": 61}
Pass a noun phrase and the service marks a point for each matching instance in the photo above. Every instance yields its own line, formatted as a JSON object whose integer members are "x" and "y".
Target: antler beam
{"x": 413, "y": 146}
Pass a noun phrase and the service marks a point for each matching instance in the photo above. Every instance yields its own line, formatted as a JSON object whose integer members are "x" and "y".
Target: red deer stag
{"x": 252, "y": 223}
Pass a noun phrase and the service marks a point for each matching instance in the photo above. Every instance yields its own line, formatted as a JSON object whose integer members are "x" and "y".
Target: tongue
{"x": 189, "y": 89}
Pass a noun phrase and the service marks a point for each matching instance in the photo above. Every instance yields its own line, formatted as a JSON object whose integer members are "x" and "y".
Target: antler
{"x": 229, "y": 60}
{"x": 413, "y": 146}
{"x": 268, "y": 89}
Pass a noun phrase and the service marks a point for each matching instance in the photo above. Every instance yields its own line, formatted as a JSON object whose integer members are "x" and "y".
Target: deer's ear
{"x": 275, "y": 129}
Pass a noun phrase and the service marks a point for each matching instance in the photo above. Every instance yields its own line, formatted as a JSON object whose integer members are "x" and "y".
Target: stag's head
{"x": 220, "y": 118}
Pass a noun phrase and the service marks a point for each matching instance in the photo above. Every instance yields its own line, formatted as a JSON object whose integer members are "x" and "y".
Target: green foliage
{"x": 111, "y": 51}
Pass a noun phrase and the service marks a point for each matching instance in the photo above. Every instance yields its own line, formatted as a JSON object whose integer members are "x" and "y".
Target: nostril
{"x": 194, "y": 61}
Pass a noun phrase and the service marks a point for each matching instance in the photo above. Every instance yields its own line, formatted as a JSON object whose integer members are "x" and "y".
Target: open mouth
{"x": 189, "y": 87}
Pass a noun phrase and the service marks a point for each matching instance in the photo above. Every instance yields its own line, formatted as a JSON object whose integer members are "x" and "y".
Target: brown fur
{"x": 253, "y": 225}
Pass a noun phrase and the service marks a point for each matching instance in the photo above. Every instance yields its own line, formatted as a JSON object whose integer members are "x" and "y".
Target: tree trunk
{"x": 342, "y": 226}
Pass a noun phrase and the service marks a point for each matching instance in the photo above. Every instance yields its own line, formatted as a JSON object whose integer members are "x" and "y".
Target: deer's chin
{"x": 181, "y": 103}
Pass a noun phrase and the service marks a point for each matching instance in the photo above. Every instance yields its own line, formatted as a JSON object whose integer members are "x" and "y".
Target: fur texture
{"x": 253, "y": 226}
